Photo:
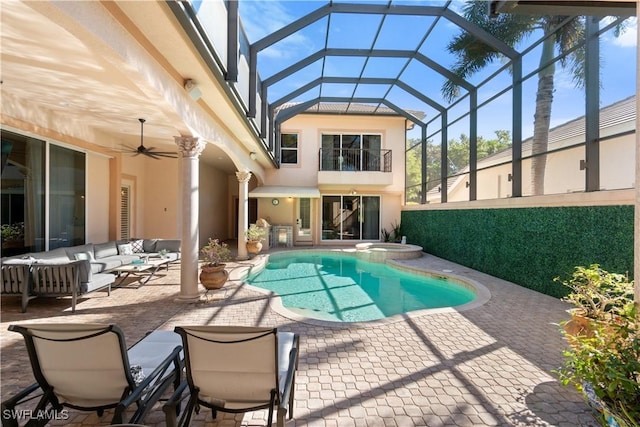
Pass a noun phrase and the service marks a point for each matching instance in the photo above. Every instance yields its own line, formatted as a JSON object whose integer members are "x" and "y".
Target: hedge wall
{"x": 527, "y": 246}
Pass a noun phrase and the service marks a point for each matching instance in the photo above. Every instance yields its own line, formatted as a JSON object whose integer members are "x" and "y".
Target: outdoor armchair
{"x": 236, "y": 369}
{"x": 88, "y": 367}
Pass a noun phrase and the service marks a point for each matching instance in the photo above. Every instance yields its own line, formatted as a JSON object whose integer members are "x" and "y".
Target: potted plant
{"x": 255, "y": 236}
{"x": 597, "y": 296}
{"x": 213, "y": 274}
{"x": 12, "y": 235}
{"x": 603, "y": 360}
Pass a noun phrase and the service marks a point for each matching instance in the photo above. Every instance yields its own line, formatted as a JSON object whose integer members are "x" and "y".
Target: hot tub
{"x": 382, "y": 251}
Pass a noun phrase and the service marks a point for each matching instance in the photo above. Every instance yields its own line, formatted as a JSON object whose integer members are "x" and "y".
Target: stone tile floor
{"x": 487, "y": 366}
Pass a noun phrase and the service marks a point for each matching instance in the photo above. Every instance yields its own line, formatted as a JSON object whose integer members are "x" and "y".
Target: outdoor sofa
{"x": 76, "y": 270}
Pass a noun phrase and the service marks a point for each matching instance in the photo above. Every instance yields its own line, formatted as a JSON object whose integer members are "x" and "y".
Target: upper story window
{"x": 289, "y": 148}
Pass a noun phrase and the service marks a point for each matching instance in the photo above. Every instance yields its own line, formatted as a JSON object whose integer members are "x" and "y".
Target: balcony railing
{"x": 355, "y": 160}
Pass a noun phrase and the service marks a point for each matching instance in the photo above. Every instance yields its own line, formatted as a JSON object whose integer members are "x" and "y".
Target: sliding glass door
{"x": 29, "y": 193}
{"x": 66, "y": 197}
{"x": 350, "y": 217}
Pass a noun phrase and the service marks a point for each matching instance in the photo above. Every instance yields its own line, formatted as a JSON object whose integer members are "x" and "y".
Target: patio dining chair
{"x": 88, "y": 367}
{"x": 236, "y": 369}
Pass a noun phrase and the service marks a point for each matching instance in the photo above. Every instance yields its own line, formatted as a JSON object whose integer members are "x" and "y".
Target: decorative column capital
{"x": 190, "y": 146}
{"x": 243, "y": 176}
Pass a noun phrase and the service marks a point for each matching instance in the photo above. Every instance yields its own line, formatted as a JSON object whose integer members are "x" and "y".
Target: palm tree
{"x": 473, "y": 55}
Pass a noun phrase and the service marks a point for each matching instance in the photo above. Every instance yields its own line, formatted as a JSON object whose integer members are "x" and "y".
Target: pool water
{"x": 342, "y": 288}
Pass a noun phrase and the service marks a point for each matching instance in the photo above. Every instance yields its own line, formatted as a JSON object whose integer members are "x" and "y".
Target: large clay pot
{"x": 254, "y": 246}
{"x": 213, "y": 277}
{"x": 580, "y": 325}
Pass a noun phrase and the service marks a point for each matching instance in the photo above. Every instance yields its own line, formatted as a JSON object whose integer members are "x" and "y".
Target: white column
{"x": 243, "y": 212}
{"x": 190, "y": 149}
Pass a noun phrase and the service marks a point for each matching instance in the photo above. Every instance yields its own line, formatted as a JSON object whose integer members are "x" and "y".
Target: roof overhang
{"x": 565, "y": 7}
{"x": 285, "y": 191}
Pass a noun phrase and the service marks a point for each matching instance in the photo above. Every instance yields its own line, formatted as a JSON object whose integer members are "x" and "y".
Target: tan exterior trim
{"x": 597, "y": 198}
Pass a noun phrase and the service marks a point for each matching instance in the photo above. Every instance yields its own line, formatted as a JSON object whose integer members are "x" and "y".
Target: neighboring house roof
{"x": 566, "y": 134}
{"x": 350, "y": 108}
{"x": 572, "y": 132}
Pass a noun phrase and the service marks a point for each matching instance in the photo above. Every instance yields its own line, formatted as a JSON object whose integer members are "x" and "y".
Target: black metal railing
{"x": 356, "y": 160}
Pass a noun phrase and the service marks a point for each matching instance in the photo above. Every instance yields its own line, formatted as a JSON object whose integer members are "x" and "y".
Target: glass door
{"x": 303, "y": 222}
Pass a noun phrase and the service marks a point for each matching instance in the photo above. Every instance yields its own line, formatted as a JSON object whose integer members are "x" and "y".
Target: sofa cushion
{"x": 107, "y": 263}
{"x": 84, "y": 270}
{"x": 83, "y": 255}
{"x": 103, "y": 250}
{"x": 23, "y": 260}
{"x": 149, "y": 245}
{"x": 73, "y": 250}
{"x": 125, "y": 249}
{"x": 58, "y": 255}
{"x": 97, "y": 281}
{"x": 137, "y": 245}
{"x": 169, "y": 245}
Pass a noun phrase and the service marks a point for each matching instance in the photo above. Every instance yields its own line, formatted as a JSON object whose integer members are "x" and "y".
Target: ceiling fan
{"x": 149, "y": 151}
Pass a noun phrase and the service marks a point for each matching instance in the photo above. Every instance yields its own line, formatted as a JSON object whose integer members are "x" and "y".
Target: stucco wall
{"x": 214, "y": 200}
{"x": 161, "y": 199}
{"x": 97, "y": 198}
{"x": 310, "y": 129}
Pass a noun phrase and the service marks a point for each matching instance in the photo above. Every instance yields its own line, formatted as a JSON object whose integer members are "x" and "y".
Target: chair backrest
{"x": 86, "y": 365}
{"x": 231, "y": 364}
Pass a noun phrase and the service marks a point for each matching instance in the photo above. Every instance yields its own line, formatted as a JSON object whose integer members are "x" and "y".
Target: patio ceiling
{"x": 54, "y": 67}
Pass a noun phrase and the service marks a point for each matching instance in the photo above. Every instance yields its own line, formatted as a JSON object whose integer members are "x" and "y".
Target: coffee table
{"x": 145, "y": 271}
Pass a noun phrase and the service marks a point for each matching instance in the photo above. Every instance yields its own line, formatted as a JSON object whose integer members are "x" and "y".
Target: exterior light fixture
{"x": 192, "y": 89}
{"x": 253, "y": 155}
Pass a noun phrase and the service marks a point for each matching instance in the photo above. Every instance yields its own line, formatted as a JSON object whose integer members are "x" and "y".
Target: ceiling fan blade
{"x": 173, "y": 153}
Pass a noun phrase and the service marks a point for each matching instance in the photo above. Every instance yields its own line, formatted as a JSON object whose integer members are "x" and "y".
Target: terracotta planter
{"x": 254, "y": 246}
{"x": 579, "y": 325}
{"x": 213, "y": 277}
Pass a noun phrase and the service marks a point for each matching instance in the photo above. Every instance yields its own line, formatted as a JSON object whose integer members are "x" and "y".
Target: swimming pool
{"x": 340, "y": 288}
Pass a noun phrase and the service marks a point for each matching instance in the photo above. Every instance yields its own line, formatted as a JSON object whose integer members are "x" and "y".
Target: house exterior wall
{"x": 563, "y": 173}
{"x": 97, "y": 199}
{"x": 214, "y": 197}
{"x": 310, "y": 128}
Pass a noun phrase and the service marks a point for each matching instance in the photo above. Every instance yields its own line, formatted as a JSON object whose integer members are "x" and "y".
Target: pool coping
{"x": 483, "y": 295}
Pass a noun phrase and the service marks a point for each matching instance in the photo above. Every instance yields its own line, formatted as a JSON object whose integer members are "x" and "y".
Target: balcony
{"x": 354, "y": 167}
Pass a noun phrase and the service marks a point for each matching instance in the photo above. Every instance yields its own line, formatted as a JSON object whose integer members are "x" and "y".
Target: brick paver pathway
{"x": 490, "y": 365}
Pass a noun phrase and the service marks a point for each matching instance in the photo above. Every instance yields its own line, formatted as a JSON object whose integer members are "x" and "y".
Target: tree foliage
{"x": 563, "y": 33}
{"x": 457, "y": 159}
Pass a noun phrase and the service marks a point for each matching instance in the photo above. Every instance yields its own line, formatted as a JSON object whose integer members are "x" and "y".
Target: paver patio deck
{"x": 491, "y": 365}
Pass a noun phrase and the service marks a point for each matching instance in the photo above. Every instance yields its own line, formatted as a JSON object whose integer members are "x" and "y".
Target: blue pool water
{"x": 343, "y": 288}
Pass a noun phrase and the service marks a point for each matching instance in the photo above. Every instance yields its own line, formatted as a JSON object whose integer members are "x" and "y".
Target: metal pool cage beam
{"x": 385, "y": 10}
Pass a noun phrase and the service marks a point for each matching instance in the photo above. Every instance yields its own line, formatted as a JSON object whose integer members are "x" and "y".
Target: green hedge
{"x": 527, "y": 246}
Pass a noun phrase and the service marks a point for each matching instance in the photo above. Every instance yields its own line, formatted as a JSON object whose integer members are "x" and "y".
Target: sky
{"x": 262, "y": 17}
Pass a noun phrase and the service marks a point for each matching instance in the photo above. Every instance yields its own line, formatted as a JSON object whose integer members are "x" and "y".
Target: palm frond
{"x": 568, "y": 36}
{"x": 471, "y": 53}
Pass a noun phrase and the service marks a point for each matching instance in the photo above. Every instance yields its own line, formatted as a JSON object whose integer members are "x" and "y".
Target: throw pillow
{"x": 83, "y": 255}
{"x": 137, "y": 246}
{"x": 126, "y": 249}
{"x": 137, "y": 373}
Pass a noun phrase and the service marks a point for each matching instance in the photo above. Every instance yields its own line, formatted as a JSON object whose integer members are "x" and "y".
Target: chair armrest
{"x": 291, "y": 371}
{"x": 153, "y": 386}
